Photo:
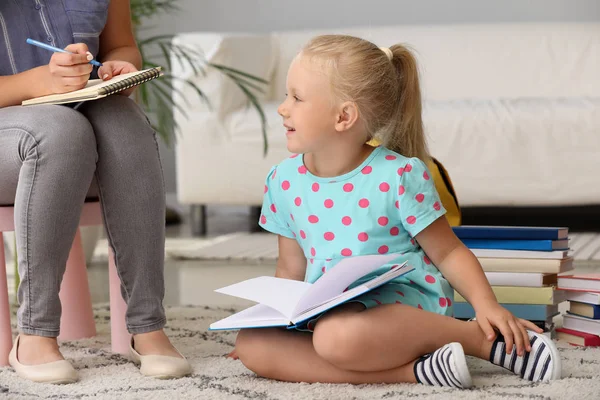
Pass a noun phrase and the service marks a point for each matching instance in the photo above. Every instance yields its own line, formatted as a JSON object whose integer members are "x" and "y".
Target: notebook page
{"x": 338, "y": 278}
{"x": 94, "y": 84}
{"x": 277, "y": 293}
{"x": 257, "y": 316}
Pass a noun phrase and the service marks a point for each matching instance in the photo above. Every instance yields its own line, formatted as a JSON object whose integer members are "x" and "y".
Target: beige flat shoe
{"x": 160, "y": 367}
{"x": 57, "y": 372}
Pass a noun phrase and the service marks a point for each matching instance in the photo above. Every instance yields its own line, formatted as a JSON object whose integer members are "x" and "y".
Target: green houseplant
{"x": 155, "y": 96}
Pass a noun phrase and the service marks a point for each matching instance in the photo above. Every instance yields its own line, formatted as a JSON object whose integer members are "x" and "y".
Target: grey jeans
{"x": 52, "y": 158}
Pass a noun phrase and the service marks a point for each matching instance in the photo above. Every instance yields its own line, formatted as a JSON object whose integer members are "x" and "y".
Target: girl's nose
{"x": 281, "y": 110}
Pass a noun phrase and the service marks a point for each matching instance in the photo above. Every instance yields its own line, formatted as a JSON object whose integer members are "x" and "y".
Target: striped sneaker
{"x": 542, "y": 363}
{"x": 447, "y": 366}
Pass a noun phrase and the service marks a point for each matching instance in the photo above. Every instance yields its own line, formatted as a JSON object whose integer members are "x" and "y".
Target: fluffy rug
{"x": 110, "y": 376}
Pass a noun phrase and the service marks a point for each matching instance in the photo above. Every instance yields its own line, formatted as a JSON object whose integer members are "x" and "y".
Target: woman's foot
{"x": 447, "y": 366}
{"x": 542, "y": 363}
{"x": 158, "y": 357}
{"x": 38, "y": 359}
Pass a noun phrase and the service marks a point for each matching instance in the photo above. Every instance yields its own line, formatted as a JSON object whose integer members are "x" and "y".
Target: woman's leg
{"x": 354, "y": 346}
{"x": 47, "y": 158}
{"x": 131, "y": 190}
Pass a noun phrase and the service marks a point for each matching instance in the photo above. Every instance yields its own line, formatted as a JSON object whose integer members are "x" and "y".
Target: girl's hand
{"x": 69, "y": 72}
{"x": 110, "y": 69}
{"x": 492, "y": 315}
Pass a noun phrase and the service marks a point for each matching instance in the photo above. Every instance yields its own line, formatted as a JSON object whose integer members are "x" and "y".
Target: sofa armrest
{"x": 253, "y": 54}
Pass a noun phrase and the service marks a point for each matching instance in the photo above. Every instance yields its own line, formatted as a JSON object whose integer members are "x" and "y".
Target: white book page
{"x": 338, "y": 278}
{"x": 257, "y": 316}
{"x": 277, "y": 293}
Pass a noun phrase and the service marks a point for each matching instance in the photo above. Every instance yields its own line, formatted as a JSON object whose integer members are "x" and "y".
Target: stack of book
{"x": 522, "y": 266}
{"x": 581, "y": 324}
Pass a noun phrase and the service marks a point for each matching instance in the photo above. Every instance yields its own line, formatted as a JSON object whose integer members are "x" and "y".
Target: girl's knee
{"x": 337, "y": 339}
{"x": 251, "y": 346}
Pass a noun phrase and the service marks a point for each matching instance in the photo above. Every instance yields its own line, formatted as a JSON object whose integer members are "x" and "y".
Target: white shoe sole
{"x": 460, "y": 361}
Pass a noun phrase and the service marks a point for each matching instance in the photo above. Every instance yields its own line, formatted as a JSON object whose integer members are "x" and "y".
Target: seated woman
{"x": 53, "y": 157}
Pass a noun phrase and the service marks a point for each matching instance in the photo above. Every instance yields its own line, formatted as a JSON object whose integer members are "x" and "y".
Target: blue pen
{"x": 56, "y": 49}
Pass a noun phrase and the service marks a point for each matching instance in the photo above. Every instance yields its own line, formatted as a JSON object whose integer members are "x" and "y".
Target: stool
{"x": 77, "y": 319}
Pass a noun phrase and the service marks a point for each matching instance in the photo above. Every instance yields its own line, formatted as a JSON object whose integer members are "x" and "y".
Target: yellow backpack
{"x": 444, "y": 187}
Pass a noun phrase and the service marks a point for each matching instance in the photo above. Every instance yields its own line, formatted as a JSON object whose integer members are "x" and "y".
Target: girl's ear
{"x": 347, "y": 116}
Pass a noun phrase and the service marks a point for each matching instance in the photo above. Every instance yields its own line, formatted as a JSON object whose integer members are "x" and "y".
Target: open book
{"x": 289, "y": 303}
{"x": 97, "y": 88}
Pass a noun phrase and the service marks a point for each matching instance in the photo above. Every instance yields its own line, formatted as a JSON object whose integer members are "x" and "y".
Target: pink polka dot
{"x": 398, "y": 302}
{"x": 394, "y": 231}
{"x": 383, "y": 249}
{"x": 401, "y": 190}
{"x": 397, "y": 204}
{"x": 412, "y": 241}
{"x": 263, "y": 219}
{"x": 346, "y": 220}
{"x": 425, "y": 176}
{"x": 400, "y": 293}
{"x": 411, "y": 282}
{"x": 363, "y": 203}
{"x": 298, "y": 201}
{"x": 329, "y": 236}
{"x": 400, "y": 171}
{"x": 390, "y": 157}
{"x": 383, "y": 221}
{"x": 313, "y": 219}
{"x": 407, "y": 168}
{"x": 323, "y": 269}
{"x": 436, "y": 206}
{"x": 384, "y": 186}
{"x": 302, "y": 234}
{"x": 430, "y": 279}
{"x": 266, "y": 189}
{"x": 411, "y": 220}
{"x": 346, "y": 252}
{"x": 313, "y": 252}
{"x": 328, "y": 203}
{"x": 302, "y": 169}
{"x": 426, "y": 260}
{"x": 285, "y": 185}
{"x": 312, "y": 260}
{"x": 449, "y": 301}
{"x": 367, "y": 170}
{"x": 294, "y": 156}
{"x": 328, "y": 259}
{"x": 393, "y": 266}
{"x": 442, "y": 302}
{"x": 274, "y": 173}
{"x": 348, "y": 187}
{"x": 292, "y": 216}
{"x": 420, "y": 307}
{"x": 273, "y": 208}
{"x": 377, "y": 301}
{"x": 363, "y": 237}
{"x": 420, "y": 197}
{"x": 294, "y": 233}
{"x": 315, "y": 187}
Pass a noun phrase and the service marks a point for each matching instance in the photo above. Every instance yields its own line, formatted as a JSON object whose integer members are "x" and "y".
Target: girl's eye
{"x": 296, "y": 98}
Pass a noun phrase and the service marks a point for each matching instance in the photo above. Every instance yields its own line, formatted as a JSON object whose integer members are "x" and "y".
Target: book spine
{"x": 516, "y": 233}
{"x": 516, "y": 279}
{"x": 522, "y": 295}
{"x": 536, "y": 245}
{"x": 129, "y": 82}
{"x": 530, "y": 312}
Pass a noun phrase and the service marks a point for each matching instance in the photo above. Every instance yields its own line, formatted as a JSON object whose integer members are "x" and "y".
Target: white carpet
{"x": 109, "y": 376}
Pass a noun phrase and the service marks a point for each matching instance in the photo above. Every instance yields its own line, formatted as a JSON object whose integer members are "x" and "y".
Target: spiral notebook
{"x": 97, "y": 88}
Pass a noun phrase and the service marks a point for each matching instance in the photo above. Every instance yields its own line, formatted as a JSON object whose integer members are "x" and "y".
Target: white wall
{"x": 268, "y": 15}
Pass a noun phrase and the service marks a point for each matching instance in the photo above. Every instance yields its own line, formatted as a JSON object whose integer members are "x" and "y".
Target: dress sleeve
{"x": 270, "y": 216}
{"x": 418, "y": 200}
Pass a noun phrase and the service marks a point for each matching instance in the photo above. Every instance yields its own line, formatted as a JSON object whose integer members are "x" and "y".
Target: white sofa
{"x": 511, "y": 110}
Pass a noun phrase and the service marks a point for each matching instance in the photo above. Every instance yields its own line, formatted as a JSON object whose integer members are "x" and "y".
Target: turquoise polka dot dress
{"x": 377, "y": 208}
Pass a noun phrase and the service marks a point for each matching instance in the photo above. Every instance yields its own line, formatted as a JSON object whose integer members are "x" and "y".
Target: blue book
{"x": 585, "y": 310}
{"x": 510, "y": 232}
{"x": 530, "y": 312}
{"x": 500, "y": 244}
{"x": 290, "y": 303}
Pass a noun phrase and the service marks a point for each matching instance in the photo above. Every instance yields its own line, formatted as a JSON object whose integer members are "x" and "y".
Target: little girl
{"x": 338, "y": 196}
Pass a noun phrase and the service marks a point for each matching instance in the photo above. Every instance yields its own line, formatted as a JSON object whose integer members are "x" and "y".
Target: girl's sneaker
{"x": 447, "y": 366}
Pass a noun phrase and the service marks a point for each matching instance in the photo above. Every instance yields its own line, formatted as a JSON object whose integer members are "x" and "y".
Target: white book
{"x": 581, "y": 324}
{"x": 537, "y": 265}
{"x": 524, "y": 279}
{"x": 289, "y": 303}
{"x": 583, "y": 297}
{"x": 494, "y": 253}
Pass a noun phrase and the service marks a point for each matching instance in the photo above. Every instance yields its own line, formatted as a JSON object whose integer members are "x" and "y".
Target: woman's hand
{"x": 110, "y": 69}
{"x": 69, "y": 72}
{"x": 493, "y": 315}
